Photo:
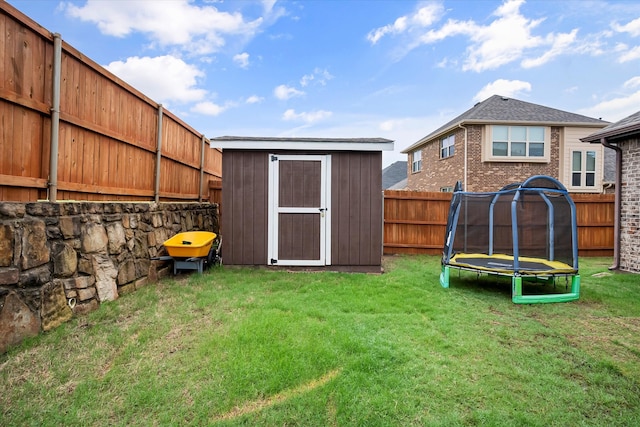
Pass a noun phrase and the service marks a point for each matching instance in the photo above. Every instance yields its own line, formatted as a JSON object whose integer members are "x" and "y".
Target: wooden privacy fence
{"x": 73, "y": 131}
{"x": 415, "y": 222}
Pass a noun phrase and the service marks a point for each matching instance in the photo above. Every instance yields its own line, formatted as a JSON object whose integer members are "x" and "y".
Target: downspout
{"x": 618, "y": 196}
{"x": 465, "y": 157}
{"x": 158, "y": 154}
{"x": 55, "y": 119}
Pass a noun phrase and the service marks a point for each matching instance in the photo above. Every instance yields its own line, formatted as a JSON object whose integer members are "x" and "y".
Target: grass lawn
{"x": 258, "y": 347}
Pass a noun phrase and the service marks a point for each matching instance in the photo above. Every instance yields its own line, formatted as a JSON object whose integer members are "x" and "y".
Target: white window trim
{"x": 583, "y": 172}
{"x": 416, "y": 165}
{"x": 453, "y": 145}
{"x": 487, "y": 152}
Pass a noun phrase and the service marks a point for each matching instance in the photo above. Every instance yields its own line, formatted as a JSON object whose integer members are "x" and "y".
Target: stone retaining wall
{"x": 61, "y": 259}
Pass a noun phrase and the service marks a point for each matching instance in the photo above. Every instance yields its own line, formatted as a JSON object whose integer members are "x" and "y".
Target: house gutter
{"x": 618, "y": 195}
{"x": 465, "y": 157}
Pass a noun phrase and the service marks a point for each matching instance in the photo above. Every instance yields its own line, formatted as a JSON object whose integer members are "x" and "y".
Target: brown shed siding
{"x": 299, "y": 184}
{"x": 356, "y": 207}
{"x": 244, "y": 198}
{"x": 299, "y": 236}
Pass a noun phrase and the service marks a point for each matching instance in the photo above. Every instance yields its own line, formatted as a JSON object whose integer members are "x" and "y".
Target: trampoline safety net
{"x": 525, "y": 229}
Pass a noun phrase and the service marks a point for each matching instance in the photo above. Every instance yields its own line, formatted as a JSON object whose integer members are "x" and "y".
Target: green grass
{"x": 257, "y": 347}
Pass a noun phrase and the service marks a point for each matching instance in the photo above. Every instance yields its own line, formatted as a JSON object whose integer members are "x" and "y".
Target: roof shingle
{"x": 621, "y": 128}
{"x": 500, "y": 109}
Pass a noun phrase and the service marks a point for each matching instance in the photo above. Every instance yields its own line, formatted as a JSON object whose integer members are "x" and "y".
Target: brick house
{"x": 624, "y": 137}
{"x": 503, "y": 140}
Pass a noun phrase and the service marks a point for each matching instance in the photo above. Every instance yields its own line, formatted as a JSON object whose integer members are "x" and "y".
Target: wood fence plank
{"x": 6, "y": 137}
{"x": 415, "y": 222}
{"x": 108, "y": 130}
{"x": 17, "y": 158}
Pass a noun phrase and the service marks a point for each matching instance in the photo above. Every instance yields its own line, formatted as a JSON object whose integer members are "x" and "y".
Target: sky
{"x": 356, "y": 68}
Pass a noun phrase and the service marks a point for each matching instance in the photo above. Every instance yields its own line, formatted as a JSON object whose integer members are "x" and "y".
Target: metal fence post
{"x": 55, "y": 118}
{"x": 158, "y": 155}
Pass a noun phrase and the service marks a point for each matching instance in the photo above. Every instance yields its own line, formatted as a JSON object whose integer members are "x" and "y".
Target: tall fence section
{"x": 71, "y": 130}
{"x": 415, "y": 222}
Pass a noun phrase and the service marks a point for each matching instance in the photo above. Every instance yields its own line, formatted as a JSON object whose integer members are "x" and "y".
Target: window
{"x": 447, "y": 146}
{"x": 518, "y": 141}
{"x": 583, "y": 168}
{"x": 416, "y": 161}
{"x": 446, "y": 189}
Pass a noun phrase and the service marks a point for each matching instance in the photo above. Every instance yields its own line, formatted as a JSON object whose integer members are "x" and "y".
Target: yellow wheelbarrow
{"x": 193, "y": 250}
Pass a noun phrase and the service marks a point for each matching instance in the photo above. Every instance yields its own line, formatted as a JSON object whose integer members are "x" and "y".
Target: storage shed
{"x": 302, "y": 202}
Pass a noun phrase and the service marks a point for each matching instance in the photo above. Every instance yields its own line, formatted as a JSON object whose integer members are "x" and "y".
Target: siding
{"x": 571, "y": 141}
{"x": 244, "y": 197}
{"x": 356, "y": 207}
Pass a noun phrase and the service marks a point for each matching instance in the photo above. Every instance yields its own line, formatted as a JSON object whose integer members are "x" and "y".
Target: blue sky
{"x": 392, "y": 69}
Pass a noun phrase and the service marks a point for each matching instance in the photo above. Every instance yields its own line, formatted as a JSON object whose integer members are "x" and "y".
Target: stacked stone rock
{"x": 61, "y": 259}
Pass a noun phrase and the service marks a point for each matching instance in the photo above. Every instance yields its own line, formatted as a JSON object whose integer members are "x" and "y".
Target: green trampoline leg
{"x": 518, "y": 298}
{"x": 516, "y": 288}
{"x": 444, "y": 276}
{"x": 575, "y": 285}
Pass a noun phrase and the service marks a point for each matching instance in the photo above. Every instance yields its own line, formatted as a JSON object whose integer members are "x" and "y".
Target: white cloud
{"x": 510, "y": 88}
{"x": 208, "y": 108}
{"x": 633, "y": 27}
{"x": 618, "y": 108}
{"x": 592, "y": 44}
{"x": 425, "y": 16}
{"x": 285, "y": 92}
{"x": 507, "y": 38}
{"x": 254, "y": 99}
{"x": 398, "y": 26}
{"x": 449, "y": 29}
{"x": 198, "y": 29}
{"x": 560, "y": 44}
{"x": 503, "y": 40}
{"x": 242, "y": 59}
{"x": 307, "y": 117}
{"x": 389, "y": 125}
{"x": 630, "y": 55}
{"x": 632, "y": 82}
{"x": 162, "y": 78}
{"x": 319, "y": 76}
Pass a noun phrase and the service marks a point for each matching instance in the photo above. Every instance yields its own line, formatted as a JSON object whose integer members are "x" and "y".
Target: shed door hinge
{"x": 274, "y": 158}
{"x": 274, "y": 261}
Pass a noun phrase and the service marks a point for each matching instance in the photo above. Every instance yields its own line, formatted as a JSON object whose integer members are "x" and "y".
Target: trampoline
{"x": 526, "y": 231}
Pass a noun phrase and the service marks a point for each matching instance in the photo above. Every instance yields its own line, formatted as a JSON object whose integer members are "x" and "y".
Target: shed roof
{"x": 621, "y": 129}
{"x": 501, "y": 109}
{"x": 313, "y": 143}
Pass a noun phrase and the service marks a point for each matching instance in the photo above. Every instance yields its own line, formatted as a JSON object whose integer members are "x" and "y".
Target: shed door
{"x": 299, "y": 215}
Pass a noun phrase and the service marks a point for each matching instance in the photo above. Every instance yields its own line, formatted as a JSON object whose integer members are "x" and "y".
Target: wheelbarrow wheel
{"x": 210, "y": 258}
{"x": 213, "y": 257}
